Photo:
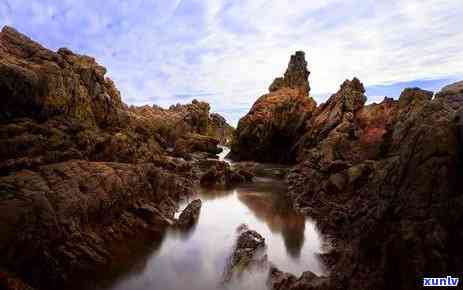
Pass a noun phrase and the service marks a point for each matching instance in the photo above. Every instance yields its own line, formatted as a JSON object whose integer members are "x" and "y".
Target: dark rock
{"x": 60, "y": 219}
{"x": 9, "y": 282}
{"x": 221, "y": 174}
{"x": 378, "y": 210}
{"x": 279, "y": 280}
{"x": 248, "y": 254}
{"x": 190, "y": 214}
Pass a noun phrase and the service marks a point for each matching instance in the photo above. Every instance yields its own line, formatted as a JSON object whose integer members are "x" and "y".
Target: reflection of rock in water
{"x": 128, "y": 258}
{"x": 249, "y": 253}
{"x": 277, "y": 213}
{"x": 293, "y": 235}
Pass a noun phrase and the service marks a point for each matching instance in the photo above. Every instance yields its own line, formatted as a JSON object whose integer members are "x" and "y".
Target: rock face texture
{"x": 220, "y": 129}
{"x": 381, "y": 179}
{"x": 279, "y": 280}
{"x": 79, "y": 169}
{"x": 67, "y": 212}
{"x": 394, "y": 209}
{"x": 276, "y": 120}
{"x": 248, "y": 253}
{"x": 219, "y": 173}
{"x": 190, "y": 214}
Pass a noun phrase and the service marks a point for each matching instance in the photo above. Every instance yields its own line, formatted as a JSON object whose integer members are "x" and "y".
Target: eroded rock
{"x": 276, "y": 120}
{"x": 279, "y": 280}
{"x": 248, "y": 254}
{"x": 190, "y": 214}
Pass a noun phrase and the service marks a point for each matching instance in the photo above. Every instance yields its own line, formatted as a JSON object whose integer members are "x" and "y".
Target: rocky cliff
{"x": 393, "y": 215}
{"x": 380, "y": 179}
{"x": 79, "y": 169}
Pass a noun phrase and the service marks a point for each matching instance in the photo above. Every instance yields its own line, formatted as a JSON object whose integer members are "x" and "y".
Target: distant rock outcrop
{"x": 276, "y": 120}
{"x": 220, "y": 129}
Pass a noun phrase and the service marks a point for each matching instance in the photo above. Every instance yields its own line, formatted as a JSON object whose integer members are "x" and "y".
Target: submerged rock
{"x": 248, "y": 254}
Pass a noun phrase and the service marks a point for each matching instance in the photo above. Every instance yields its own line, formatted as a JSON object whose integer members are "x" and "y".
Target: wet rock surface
{"x": 220, "y": 173}
{"x": 279, "y": 280}
{"x": 190, "y": 214}
{"x": 248, "y": 253}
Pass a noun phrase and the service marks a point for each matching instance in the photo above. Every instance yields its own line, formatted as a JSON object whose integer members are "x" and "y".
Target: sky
{"x": 228, "y": 52}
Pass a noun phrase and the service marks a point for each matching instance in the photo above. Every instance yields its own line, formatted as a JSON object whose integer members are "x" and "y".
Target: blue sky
{"x": 228, "y": 52}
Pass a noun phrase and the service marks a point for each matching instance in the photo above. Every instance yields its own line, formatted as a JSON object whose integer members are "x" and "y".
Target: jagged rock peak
{"x": 296, "y": 75}
{"x": 355, "y": 84}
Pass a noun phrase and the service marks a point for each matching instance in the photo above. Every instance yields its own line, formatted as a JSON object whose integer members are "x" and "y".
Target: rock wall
{"x": 394, "y": 214}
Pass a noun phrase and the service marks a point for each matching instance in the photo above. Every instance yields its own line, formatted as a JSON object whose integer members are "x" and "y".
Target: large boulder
{"x": 276, "y": 120}
{"x": 190, "y": 214}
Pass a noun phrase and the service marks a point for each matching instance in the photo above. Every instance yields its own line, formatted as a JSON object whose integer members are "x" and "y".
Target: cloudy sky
{"x": 228, "y": 52}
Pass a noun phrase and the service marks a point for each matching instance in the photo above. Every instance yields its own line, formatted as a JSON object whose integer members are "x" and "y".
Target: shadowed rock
{"x": 276, "y": 120}
{"x": 248, "y": 254}
{"x": 190, "y": 214}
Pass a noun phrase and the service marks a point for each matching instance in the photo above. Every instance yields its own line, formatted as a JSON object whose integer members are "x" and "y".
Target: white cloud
{"x": 156, "y": 50}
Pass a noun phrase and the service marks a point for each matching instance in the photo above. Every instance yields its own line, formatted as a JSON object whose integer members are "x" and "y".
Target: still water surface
{"x": 195, "y": 259}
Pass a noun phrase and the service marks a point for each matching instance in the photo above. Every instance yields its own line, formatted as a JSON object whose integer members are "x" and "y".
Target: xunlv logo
{"x": 440, "y": 282}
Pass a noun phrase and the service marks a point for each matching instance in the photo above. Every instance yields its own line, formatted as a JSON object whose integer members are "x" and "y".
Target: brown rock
{"x": 378, "y": 214}
{"x": 190, "y": 214}
{"x": 279, "y": 280}
{"x": 247, "y": 254}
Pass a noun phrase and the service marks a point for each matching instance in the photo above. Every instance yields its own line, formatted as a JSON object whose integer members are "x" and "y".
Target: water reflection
{"x": 195, "y": 259}
{"x": 273, "y": 209}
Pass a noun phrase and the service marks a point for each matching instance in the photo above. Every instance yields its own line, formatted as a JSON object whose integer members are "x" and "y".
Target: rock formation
{"x": 79, "y": 169}
{"x": 248, "y": 253}
{"x": 219, "y": 173}
{"x": 276, "y": 120}
{"x": 220, "y": 129}
{"x": 394, "y": 208}
{"x": 190, "y": 214}
{"x": 279, "y": 280}
{"x": 381, "y": 179}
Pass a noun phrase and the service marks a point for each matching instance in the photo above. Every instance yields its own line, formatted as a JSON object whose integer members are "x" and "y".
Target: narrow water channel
{"x": 196, "y": 259}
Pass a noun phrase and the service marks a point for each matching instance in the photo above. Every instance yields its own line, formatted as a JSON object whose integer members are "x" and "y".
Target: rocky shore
{"x": 79, "y": 169}
{"x": 381, "y": 180}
